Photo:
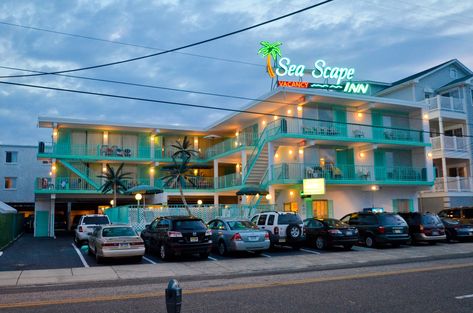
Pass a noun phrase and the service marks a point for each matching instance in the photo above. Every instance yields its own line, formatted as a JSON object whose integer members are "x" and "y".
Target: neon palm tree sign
{"x": 270, "y": 50}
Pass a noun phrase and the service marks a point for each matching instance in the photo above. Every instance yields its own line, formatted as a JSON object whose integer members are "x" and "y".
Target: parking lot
{"x": 29, "y": 253}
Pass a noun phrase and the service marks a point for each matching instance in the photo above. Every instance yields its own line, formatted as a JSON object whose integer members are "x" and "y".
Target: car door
{"x": 262, "y": 222}
{"x": 93, "y": 238}
{"x": 150, "y": 235}
{"x": 318, "y": 228}
{"x": 162, "y": 231}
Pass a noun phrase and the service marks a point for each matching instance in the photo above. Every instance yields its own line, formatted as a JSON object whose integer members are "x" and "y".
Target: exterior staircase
{"x": 259, "y": 167}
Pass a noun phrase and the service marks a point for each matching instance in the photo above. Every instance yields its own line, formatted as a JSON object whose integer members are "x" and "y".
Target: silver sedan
{"x": 116, "y": 241}
{"x": 237, "y": 235}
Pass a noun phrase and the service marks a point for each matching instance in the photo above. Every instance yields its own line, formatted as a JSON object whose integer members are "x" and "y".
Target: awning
{"x": 5, "y": 208}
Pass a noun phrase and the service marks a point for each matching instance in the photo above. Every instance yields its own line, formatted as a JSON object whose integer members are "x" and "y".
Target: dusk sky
{"x": 383, "y": 40}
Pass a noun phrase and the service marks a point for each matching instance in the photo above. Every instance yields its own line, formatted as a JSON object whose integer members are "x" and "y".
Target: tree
{"x": 179, "y": 173}
{"x": 114, "y": 181}
{"x": 270, "y": 50}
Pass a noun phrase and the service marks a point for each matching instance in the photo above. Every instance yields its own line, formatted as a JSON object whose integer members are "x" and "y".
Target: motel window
{"x": 10, "y": 183}
{"x": 11, "y": 157}
{"x": 403, "y": 205}
{"x": 456, "y": 171}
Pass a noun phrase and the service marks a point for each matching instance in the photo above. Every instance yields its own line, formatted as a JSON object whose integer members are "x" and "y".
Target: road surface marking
{"x": 205, "y": 290}
{"x": 213, "y": 259}
{"x": 265, "y": 255}
{"x": 310, "y": 251}
{"x": 464, "y": 297}
{"x": 80, "y": 255}
{"x": 149, "y": 260}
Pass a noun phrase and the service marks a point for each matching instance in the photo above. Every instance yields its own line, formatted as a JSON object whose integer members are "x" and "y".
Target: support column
{"x": 270, "y": 160}
{"x": 216, "y": 185}
{"x": 215, "y": 200}
{"x": 272, "y": 193}
{"x": 52, "y": 211}
{"x": 243, "y": 164}
{"x": 68, "y": 215}
{"x": 427, "y": 150}
{"x": 444, "y": 161}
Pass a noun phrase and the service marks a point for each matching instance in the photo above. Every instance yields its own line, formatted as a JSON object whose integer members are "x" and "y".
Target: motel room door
{"x": 320, "y": 208}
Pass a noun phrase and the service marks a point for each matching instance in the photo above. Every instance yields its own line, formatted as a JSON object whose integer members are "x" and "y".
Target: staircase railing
{"x": 270, "y": 130}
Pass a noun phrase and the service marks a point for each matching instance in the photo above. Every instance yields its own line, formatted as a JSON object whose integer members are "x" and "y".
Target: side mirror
{"x": 147, "y": 227}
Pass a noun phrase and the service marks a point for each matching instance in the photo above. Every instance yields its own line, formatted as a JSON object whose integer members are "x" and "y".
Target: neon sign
{"x": 341, "y": 76}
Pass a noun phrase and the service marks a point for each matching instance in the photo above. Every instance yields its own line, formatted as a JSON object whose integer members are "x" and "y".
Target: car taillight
{"x": 381, "y": 229}
{"x": 80, "y": 229}
{"x": 208, "y": 232}
{"x": 421, "y": 228}
{"x": 237, "y": 236}
{"x": 276, "y": 230}
{"x": 266, "y": 236}
{"x": 174, "y": 234}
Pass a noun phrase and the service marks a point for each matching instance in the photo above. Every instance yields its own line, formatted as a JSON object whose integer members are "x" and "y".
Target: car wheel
{"x": 320, "y": 243}
{"x": 293, "y": 231}
{"x": 370, "y": 241}
{"x": 163, "y": 252}
{"x": 222, "y": 248}
{"x": 98, "y": 258}
{"x": 347, "y": 247}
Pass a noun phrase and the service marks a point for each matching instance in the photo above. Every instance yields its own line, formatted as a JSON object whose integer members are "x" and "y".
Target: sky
{"x": 384, "y": 40}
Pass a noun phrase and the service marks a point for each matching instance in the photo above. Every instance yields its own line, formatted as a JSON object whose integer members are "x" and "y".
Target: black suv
{"x": 379, "y": 228}
{"x": 177, "y": 235}
{"x": 424, "y": 227}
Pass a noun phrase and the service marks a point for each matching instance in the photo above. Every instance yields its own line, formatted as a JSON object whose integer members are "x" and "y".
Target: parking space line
{"x": 310, "y": 251}
{"x": 149, "y": 260}
{"x": 265, "y": 255}
{"x": 464, "y": 297}
{"x": 80, "y": 255}
{"x": 213, "y": 259}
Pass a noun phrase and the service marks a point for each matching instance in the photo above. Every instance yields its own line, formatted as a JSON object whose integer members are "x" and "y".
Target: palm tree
{"x": 270, "y": 50}
{"x": 114, "y": 181}
{"x": 178, "y": 175}
{"x": 183, "y": 150}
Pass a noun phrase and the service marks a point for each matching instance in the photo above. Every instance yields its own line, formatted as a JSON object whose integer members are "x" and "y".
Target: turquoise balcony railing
{"x": 348, "y": 132}
{"x": 231, "y": 144}
{"x": 229, "y": 181}
{"x": 194, "y": 183}
{"x": 98, "y": 151}
{"x": 77, "y": 184}
{"x": 347, "y": 174}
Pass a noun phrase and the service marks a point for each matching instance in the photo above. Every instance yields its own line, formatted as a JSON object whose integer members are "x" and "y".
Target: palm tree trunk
{"x": 114, "y": 194}
{"x": 269, "y": 67}
{"x": 184, "y": 200}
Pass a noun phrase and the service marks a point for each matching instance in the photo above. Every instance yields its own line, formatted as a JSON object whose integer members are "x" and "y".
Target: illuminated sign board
{"x": 340, "y": 76}
{"x": 313, "y": 186}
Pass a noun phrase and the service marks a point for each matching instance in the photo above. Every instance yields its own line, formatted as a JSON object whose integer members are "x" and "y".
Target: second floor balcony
{"x": 347, "y": 174}
{"x": 93, "y": 151}
{"x": 450, "y": 144}
{"x": 443, "y": 103}
{"x": 453, "y": 184}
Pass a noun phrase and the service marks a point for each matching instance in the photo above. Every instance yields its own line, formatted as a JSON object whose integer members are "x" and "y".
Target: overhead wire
{"x": 206, "y": 106}
{"x": 178, "y": 48}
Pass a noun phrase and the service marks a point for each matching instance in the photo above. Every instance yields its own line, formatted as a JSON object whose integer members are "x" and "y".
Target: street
{"x": 440, "y": 286}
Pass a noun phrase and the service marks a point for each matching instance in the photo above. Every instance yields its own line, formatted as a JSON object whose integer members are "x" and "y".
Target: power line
{"x": 207, "y": 107}
{"x": 128, "y": 44}
{"x": 178, "y": 48}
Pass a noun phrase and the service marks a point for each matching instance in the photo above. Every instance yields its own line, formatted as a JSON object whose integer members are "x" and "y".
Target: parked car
{"x": 379, "y": 228}
{"x": 115, "y": 241}
{"x": 424, "y": 227}
{"x": 457, "y": 229}
{"x": 329, "y": 232}
{"x": 86, "y": 225}
{"x": 285, "y": 228}
{"x": 461, "y": 214}
{"x": 237, "y": 235}
{"x": 75, "y": 221}
{"x": 177, "y": 235}
{"x": 28, "y": 223}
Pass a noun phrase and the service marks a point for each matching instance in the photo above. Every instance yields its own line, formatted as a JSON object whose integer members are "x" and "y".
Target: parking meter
{"x": 173, "y": 297}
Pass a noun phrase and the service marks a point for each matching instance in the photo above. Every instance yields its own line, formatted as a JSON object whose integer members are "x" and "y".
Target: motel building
{"x": 319, "y": 151}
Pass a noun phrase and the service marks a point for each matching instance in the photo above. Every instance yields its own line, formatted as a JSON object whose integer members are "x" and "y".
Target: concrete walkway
{"x": 247, "y": 266}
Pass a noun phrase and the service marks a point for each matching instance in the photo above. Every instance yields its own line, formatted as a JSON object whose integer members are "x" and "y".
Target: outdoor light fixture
{"x": 299, "y": 108}
{"x": 275, "y": 117}
{"x": 151, "y": 138}
{"x": 291, "y": 193}
{"x": 290, "y": 152}
{"x": 426, "y": 116}
{"x": 268, "y": 197}
{"x": 362, "y": 154}
{"x": 237, "y": 133}
{"x": 301, "y": 151}
{"x": 105, "y": 135}
{"x": 138, "y": 197}
{"x": 263, "y": 122}
{"x": 50, "y": 173}
{"x": 196, "y": 171}
{"x": 429, "y": 155}
{"x": 359, "y": 114}
{"x": 289, "y": 111}
{"x": 104, "y": 168}
{"x": 151, "y": 170}
{"x": 111, "y": 202}
{"x": 374, "y": 188}
{"x": 55, "y": 133}
{"x": 199, "y": 202}
{"x": 53, "y": 168}
{"x": 276, "y": 155}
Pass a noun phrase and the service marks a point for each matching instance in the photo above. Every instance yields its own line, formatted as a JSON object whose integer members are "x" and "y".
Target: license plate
{"x": 194, "y": 239}
{"x": 397, "y": 231}
{"x": 253, "y": 238}
{"x": 435, "y": 233}
{"x": 124, "y": 245}
{"x": 282, "y": 240}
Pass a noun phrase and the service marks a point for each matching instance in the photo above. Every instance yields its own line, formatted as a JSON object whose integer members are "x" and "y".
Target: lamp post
{"x": 138, "y": 197}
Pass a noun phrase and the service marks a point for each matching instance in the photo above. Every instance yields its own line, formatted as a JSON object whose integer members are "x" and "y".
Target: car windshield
{"x": 95, "y": 220}
{"x": 391, "y": 219}
{"x": 189, "y": 225}
{"x": 239, "y": 225}
{"x": 333, "y": 223}
{"x": 429, "y": 219}
{"x": 118, "y": 232}
{"x": 285, "y": 219}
